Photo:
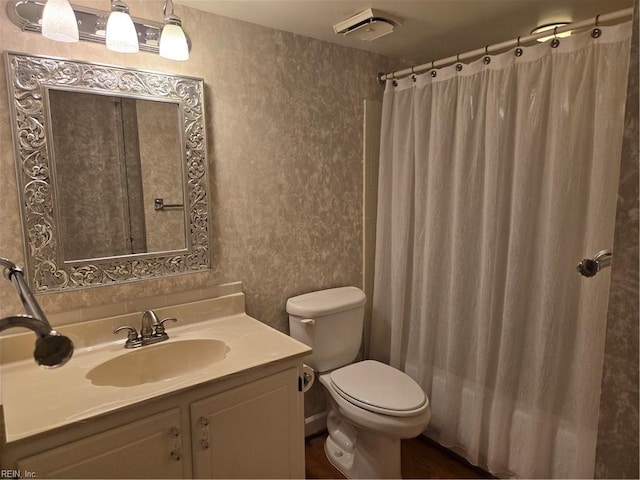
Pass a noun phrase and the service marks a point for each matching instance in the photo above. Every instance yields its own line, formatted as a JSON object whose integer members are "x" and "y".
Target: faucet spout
{"x": 149, "y": 321}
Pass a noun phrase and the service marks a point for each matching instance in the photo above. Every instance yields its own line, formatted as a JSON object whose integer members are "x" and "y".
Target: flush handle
{"x": 308, "y": 322}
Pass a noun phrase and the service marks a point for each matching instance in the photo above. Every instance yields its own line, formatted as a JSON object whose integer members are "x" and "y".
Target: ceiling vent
{"x": 367, "y": 25}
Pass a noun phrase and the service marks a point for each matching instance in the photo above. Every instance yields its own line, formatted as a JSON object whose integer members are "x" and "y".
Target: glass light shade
{"x": 121, "y": 33}
{"x": 173, "y": 43}
{"x": 59, "y": 21}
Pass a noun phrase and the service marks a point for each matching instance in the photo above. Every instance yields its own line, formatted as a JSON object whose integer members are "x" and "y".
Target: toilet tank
{"x": 330, "y": 322}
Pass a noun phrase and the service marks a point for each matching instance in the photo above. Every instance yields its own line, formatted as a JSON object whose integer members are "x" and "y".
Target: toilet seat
{"x": 379, "y": 388}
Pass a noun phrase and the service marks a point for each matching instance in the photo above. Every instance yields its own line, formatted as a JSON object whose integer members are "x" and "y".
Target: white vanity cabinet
{"x": 248, "y": 426}
{"x": 253, "y": 431}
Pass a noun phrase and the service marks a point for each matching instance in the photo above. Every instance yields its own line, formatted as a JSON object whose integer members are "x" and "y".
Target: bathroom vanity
{"x": 165, "y": 413}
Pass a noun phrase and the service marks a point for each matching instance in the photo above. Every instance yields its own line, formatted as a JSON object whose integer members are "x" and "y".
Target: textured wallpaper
{"x": 617, "y": 450}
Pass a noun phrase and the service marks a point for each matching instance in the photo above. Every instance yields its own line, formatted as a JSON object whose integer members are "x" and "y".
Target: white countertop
{"x": 37, "y": 400}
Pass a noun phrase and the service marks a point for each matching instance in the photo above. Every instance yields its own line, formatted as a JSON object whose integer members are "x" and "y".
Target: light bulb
{"x": 59, "y": 21}
{"x": 173, "y": 43}
{"x": 121, "y": 33}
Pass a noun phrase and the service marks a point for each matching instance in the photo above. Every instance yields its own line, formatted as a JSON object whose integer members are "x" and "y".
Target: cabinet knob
{"x": 176, "y": 455}
{"x": 204, "y": 445}
{"x": 203, "y": 421}
{"x": 174, "y": 432}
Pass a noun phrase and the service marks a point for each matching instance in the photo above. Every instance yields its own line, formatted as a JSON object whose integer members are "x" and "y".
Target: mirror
{"x": 135, "y": 157}
{"x": 112, "y": 172}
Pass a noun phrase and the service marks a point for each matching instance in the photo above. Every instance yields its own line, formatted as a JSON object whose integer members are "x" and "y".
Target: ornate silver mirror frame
{"x": 29, "y": 78}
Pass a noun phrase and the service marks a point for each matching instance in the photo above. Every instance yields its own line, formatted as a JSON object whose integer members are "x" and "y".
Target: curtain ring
{"x": 596, "y": 32}
{"x": 413, "y": 75}
{"x": 555, "y": 42}
{"x": 487, "y": 58}
{"x": 433, "y": 69}
{"x": 458, "y": 64}
{"x": 519, "y": 50}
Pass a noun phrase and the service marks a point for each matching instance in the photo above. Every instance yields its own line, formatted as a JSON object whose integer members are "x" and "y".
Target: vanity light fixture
{"x": 59, "y": 21}
{"x": 173, "y": 42}
{"x": 121, "y": 33}
{"x": 98, "y": 25}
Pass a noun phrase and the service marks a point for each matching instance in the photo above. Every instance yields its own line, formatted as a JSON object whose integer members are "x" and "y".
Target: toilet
{"x": 372, "y": 406}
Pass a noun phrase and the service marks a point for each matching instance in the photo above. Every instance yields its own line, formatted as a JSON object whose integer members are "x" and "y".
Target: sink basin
{"x": 158, "y": 362}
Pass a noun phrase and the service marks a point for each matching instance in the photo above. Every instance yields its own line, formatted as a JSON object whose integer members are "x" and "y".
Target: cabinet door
{"x": 147, "y": 448}
{"x": 253, "y": 431}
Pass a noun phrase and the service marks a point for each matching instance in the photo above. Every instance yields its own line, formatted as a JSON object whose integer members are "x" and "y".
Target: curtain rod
{"x": 504, "y": 45}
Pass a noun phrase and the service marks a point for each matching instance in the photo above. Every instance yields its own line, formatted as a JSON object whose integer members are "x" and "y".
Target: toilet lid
{"x": 379, "y": 388}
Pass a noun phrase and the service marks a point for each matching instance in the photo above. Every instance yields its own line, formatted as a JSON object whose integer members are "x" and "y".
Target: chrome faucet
{"x": 149, "y": 321}
{"x": 52, "y": 349}
{"x": 152, "y": 331}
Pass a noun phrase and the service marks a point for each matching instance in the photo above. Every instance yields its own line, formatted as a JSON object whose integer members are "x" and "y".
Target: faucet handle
{"x": 131, "y": 336}
{"x": 159, "y": 325}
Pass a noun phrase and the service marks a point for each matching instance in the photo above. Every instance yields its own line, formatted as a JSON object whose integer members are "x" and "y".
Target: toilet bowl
{"x": 372, "y": 406}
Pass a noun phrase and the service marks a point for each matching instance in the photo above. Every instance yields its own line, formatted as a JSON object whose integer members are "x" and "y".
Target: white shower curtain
{"x": 494, "y": 182}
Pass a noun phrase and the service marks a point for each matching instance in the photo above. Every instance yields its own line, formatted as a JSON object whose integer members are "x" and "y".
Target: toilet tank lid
{"x": 326, "y": 302}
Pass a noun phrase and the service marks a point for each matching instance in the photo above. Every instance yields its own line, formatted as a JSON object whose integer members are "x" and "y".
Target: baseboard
{"x": 315, "y": 424}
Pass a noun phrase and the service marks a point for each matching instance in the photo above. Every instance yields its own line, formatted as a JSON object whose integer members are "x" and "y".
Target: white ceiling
{"x": 431, "y": 29}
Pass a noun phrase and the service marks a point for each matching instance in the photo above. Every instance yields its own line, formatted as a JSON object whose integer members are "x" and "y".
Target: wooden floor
{"x": 421, "y": 458}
